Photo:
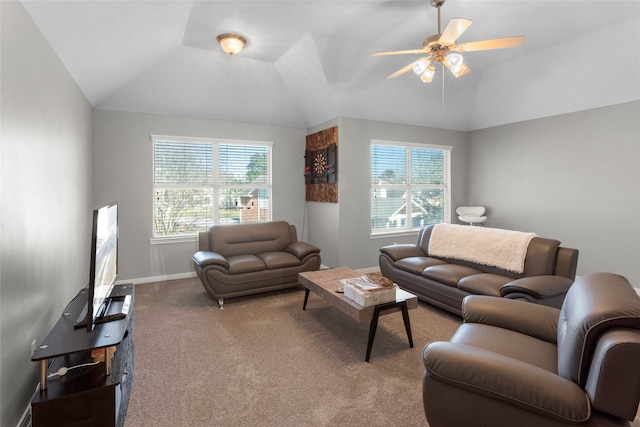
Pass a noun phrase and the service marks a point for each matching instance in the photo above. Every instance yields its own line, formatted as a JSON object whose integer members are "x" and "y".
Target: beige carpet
{"x": 262, "y": 361}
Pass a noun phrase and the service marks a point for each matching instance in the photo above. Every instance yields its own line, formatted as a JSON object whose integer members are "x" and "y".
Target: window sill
{"x": 384, "y": 235}
{"x": 173, "y": 239}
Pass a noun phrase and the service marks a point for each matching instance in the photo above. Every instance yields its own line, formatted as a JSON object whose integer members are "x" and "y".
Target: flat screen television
{"x": 103, "y": 268}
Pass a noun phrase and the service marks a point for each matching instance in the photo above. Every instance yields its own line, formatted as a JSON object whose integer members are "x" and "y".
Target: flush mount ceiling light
{"x": 231, "y": 43}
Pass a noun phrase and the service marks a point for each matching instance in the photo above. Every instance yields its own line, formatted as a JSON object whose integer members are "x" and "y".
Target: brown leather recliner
{"x": 516, "y": 363}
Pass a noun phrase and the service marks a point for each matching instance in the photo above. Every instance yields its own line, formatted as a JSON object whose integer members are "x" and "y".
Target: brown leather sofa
{"x": 243, "y": 259}
{"x": 549, "y": 271}
{"x": 512, "y": 363}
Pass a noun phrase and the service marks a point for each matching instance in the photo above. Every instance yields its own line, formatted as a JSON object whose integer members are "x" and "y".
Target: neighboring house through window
{"x": 410, "y": 186}
{"x": 198, "y": 182}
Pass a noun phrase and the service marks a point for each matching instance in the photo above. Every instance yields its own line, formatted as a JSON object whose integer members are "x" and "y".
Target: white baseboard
{"x": 159, "y": 278}
{"x": 369, "y": 270}
{"x": 25, "y": 420}
{"x": 361, "y": 270}
{"x": 193, "y": 274}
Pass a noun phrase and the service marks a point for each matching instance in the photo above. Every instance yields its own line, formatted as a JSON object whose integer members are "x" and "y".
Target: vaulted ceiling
{"x": 307, "y": 62}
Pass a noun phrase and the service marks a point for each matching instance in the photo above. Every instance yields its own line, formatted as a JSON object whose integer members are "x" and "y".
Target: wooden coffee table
{"x": 325, "y": 282}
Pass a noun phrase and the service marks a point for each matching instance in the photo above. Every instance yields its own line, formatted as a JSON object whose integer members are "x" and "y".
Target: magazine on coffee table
{"x": 369, "y": 282}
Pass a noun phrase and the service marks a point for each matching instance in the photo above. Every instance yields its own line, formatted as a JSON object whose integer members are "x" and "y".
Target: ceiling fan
{"x": 443, "y": 48}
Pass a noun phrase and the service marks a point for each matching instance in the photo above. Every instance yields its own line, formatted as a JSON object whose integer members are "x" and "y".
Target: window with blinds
{"x": 201, "y": 182}
{"x": 410, "y": 186}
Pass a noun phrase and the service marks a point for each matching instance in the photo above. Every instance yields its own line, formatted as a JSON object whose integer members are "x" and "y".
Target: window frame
{"x": 409, "y": 187}
{"x": 216, "y": 187}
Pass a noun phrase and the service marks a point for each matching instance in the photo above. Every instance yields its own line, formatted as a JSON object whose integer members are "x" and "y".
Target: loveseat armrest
{"x": 204, "y": 258}
{"x": 505, "y": 379}
{"x": 301, "y": 249}
{"x": 400, "y": 251}
{"x": 537, "y": 287}
{"x": 536, "y": 320}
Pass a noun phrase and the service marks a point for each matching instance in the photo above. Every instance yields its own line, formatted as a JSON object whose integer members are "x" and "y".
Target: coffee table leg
{"x": 372, "y": 331}
{"x": 407, "y": 325}
{"x": 306, "y": 297}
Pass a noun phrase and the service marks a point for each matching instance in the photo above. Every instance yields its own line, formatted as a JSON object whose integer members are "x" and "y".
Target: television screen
{"x": 103, "y": 268}
{"x": 105, "y": 263}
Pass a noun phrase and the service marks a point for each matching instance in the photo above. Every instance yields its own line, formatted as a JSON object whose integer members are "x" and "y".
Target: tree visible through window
{"x": 410, "y": 186}
{"x": 201, "y": 182}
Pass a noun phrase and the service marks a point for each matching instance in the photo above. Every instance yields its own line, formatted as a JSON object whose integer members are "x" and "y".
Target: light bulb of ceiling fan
{"x": 420, "y": 66}
{"x": 427, "y": 76}
{"x": 454, "y": 61}
{"x": 461, "y": 71}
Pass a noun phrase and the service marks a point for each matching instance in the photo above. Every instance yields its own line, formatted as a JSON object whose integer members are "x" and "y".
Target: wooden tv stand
{"x": 95, "y": 395}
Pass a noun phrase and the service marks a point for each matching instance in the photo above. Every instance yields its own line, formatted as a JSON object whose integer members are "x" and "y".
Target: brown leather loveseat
{"x": 243, "y": 259}
{"x": 547, "y": 269}
{"x": 512, "y": 363}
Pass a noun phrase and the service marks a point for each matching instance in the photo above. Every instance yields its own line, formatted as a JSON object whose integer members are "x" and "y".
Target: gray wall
{"x": 46, "y": 199}
{"x": 344, "y": 229}
{"x": 124, "y": 170}
{"x": 573, "y": 177}
{"x": 357, "y": 248}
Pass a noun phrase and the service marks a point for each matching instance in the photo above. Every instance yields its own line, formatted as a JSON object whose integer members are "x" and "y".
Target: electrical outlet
{"x": 33, "y": 347}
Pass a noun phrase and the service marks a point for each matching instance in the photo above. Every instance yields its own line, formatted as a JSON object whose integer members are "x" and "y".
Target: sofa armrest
{"x": 204, "y": 258}
{"x": 538, "y": 287}
{"x": 301, "y": 249}
{"x": 536, "y": 320}
{"x": 505, "y": 379}
{"x": 566, "y": 262}
{"x": 397, "y": 252}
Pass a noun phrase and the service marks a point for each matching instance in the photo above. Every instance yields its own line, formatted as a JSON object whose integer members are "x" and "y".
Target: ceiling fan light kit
{"x": 443, "y": 48}
{"x": 427, "y": 76}
{"x": 421, "y": 65}
{"x": 231, "y": 43}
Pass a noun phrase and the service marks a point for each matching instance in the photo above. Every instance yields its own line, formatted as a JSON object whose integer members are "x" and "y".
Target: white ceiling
{"x": 309, "y": 61}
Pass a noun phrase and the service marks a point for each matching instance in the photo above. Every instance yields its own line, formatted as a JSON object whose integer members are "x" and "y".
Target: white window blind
{"x": 201, "y": 182}
{"x": 410, "y": 186}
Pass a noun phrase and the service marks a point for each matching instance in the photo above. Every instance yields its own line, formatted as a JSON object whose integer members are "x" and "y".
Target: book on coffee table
{"x": 370, "y": 289}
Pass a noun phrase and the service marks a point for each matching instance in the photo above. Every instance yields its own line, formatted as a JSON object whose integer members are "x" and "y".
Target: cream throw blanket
{"x": 494, "y": 247}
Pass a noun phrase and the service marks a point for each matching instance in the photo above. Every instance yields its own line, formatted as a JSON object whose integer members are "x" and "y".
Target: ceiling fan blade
{"x": 398, "y": 52}
{"x": 454, "y": 29}
{"x": 400, "y": 71}
{"x": 490, "y": 44}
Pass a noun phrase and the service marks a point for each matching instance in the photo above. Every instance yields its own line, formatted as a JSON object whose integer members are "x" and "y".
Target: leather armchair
{"x": 514, "y": 363}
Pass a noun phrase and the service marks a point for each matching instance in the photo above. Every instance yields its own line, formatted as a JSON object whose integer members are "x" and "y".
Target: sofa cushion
{"x": 239, "y": 264}
{"x": 416, "y": 264}
{"x": 273, "y": 260}
{"x": 484, "y": 284}
{"x": 252, "y": 238}
{"x": 449, "y": 274}
{"x": 508, "y": 343}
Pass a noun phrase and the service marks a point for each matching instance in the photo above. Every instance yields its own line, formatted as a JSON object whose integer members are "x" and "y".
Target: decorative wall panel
{"x": 321, "y": 166}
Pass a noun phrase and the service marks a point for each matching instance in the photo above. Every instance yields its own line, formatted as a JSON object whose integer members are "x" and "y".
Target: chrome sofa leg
{"x": 221, "y": 303}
